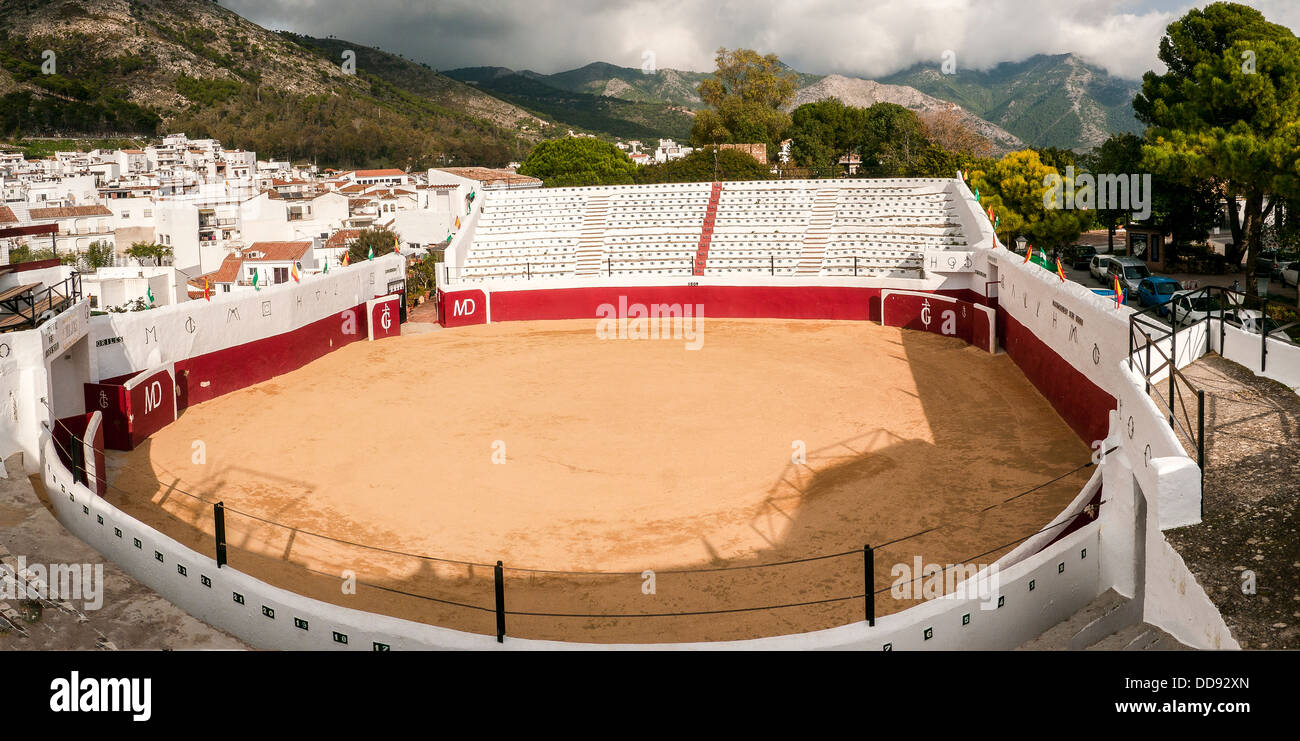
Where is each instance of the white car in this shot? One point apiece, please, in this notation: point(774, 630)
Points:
point(1291, 274)
point(1099, 267)
point(1186, 308)
point(1252, 320)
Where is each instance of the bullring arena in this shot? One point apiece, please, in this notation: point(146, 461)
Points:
point(560, 451)
point(872, 388)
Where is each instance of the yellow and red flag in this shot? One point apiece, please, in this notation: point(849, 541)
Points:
point(347, 258)
point(1119, 291)
point(1029, 255)
point(1060, 270)
point(207, 294)
point(293, 270)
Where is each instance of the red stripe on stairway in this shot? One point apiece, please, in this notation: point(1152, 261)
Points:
point(706, 232)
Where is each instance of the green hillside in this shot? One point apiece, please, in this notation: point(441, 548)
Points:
point(1048, 101)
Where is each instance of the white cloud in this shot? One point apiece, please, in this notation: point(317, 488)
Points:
point(868, 38)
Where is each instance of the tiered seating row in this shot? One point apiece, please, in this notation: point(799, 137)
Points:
point(880, 228)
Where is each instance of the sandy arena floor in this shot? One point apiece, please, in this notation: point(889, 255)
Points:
point(547, 448)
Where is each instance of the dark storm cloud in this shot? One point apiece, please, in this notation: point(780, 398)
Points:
point(857, 37)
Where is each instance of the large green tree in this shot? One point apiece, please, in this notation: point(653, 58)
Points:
point(1014, 187)
point(577, 161)
point(745, 96)
point(1186, 210)
point(821, 133)
point(1227, 110)
point(891, 140)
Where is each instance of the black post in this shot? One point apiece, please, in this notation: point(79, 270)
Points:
point(855, 266)
point(869, 578)
point(499, 577)
point(773, 264)
point(528, 270)
point(609, 267)
point(1263, 338)
point(1173, 371)
point(1200, 441)
point(1146, 372)
point(1222, 331)
point(219, 516)
point(1130, 337)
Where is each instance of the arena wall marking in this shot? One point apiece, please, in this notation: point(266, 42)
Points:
point(948, 316)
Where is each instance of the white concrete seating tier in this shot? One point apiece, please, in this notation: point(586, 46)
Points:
point(769, 227)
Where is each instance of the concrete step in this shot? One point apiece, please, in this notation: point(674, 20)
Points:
point(1108, 608)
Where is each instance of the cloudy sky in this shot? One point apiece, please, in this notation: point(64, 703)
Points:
point(868, 38)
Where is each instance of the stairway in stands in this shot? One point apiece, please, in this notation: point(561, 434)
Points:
point(1111, 622)
point(706, 233)
point(819, 232)
point(590, 257)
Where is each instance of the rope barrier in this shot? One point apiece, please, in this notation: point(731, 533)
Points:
point(613, 616)
point(559, 572)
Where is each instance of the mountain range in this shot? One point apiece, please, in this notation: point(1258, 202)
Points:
point(1044, 101)
point(140, 67)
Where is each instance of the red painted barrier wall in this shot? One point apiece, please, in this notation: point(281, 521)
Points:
point(385, 317)
point(937, 315)
point(208, 376)
point(111, 400)
point(1084, 405)
point(734, 302)
point(71, 431)
point(461, 308)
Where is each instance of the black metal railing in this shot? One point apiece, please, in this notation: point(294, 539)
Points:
point(1147, 330)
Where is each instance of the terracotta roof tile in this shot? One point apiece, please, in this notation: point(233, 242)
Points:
point(277, 250)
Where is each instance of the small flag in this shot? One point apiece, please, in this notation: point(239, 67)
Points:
point(327, 266)
point(149, 292)
point(1119, 291)
point(996, 219)
point(370, 254)
point(255, 271)
point(977, 195)
point(457, 222)
point(293, 271)
point(1060, 270)
point(207, 294)
point(1030, 254)
point(396, 248)
point(347, 258)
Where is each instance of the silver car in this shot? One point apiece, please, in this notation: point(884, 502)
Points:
point(1131, 271)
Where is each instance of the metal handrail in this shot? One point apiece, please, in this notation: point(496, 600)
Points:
point(1139, 323)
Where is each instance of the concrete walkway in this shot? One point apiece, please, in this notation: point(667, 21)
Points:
point(1246, 551)
point(132, 616)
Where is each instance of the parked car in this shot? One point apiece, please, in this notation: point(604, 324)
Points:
point(1156, 291)
point(1291, 275)
point(1189, 309)
point(1099, 267)
point(1131, 272)
point(1251, 320)
point(1081, 256)
point(1270, 260)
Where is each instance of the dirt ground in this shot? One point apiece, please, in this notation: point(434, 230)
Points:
point(1251, 521)
point(545, 447)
